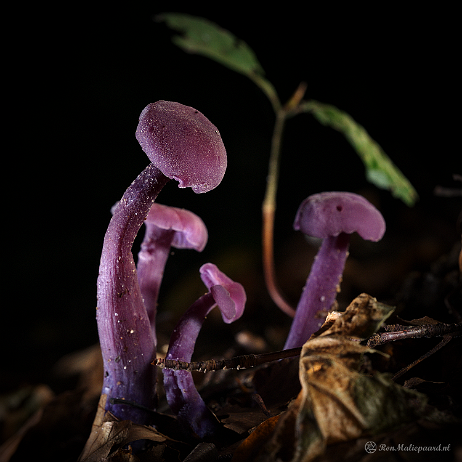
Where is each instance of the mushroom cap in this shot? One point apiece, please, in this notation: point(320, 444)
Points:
point(331, 213)
point(183, 144)
point(190, 230)
point(230, 296)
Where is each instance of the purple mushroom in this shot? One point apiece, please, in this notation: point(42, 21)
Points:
point(182, 396)
point(333, 217)
point(181, 144)
point(166, 227)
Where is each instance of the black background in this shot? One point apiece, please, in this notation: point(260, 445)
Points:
point(80, 74)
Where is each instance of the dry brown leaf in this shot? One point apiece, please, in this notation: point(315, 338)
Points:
point(250, 447)
point(109, 434)
point(361, 319)
point(337, 403)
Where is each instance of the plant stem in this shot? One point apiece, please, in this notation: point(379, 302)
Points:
point(267, 88)
point(269, 210)
point(269, 201)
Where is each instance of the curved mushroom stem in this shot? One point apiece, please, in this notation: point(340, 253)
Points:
point(152, 259)
point(181, 393)
point(320, 290)
point(126, 338)
point(166, 227)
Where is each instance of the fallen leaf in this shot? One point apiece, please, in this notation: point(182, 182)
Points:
point(361, 319)
point(109, 434)
point(338, 403)
point(250, 447)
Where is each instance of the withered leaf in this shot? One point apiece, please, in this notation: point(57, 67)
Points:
point(250, 447)
point(109, 434)
point(361, 319)
point(338, 403)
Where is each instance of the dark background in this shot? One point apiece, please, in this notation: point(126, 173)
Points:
point(79, 75)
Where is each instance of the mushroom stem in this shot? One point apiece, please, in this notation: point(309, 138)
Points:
point(320, 290)
point(126, 338)
point(166, 227)
point(181, 393)
point(152, 259)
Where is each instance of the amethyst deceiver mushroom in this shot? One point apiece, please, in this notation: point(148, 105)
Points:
point(182, 144)
point(182, 396)
point(166, 227)
point(332, 217)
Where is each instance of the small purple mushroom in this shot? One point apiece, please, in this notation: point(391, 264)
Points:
point(333, 217)
point(182, 396)
point(166, 227)
point(182, 144)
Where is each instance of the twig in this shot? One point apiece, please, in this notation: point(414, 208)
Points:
point(440, 345)
point(393, 333)
point(238, 362)
point(396, 332)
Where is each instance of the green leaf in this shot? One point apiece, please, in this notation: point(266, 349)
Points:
point(208, 39)
point(380, 170)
